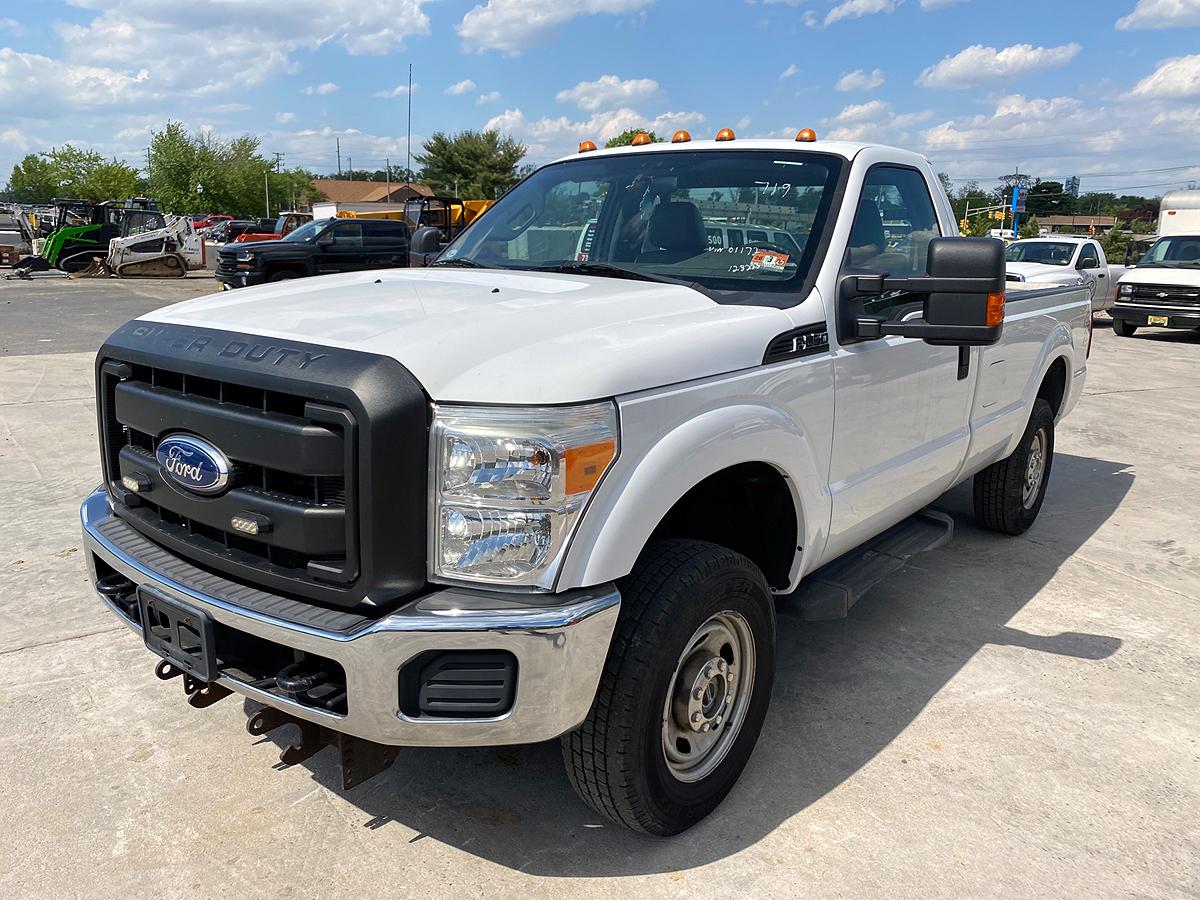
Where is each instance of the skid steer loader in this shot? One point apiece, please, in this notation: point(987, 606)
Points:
point(143, 251)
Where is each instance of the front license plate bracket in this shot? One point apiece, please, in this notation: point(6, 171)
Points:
point(1157, 320)
point(180, 634)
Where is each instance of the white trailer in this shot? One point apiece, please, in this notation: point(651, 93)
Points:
point(1179, 213)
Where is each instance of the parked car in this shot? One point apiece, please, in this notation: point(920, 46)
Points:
point(1163, 290)
point(276, 229)
point(321, 247)
point(1062, 259)
point(516, 496)
point(224, 232)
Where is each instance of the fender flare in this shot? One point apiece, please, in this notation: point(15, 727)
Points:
point(635, 495)
point(1058, 345)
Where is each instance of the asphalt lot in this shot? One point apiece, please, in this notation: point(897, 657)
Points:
point(1002, 717)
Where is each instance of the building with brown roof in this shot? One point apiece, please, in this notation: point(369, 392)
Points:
point(338, 190)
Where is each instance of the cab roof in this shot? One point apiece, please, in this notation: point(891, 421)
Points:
point(846, 149)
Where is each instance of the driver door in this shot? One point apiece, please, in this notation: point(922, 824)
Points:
point(346, 252)
point(902, 405)
point(1095, 276)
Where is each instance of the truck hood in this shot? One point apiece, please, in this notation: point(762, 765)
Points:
point(1161, 275)
point(1034, 270)
point(485, 336)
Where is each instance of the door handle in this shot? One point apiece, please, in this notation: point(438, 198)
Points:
point(1101, 275)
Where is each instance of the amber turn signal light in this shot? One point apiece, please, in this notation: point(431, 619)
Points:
point(806, 135)
point(680, 137)
point(586, 146)
point(725, 134)
point(995, 309)
point(641, 138)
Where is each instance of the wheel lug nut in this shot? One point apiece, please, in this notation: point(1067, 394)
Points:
point(696, 717)
point(698, 693)
point(705, 727)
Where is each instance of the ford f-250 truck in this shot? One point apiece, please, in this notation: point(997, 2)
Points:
point(516, 496)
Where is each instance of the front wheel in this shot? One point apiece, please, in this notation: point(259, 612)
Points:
point(1123, 328)
point(684, 690)
point(1009, 493)
point(283, 275)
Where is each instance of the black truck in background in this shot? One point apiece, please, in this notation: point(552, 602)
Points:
point(321, 247)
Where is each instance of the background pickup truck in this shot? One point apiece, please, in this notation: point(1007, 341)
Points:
point(322, 247)
point(1063, 260)
point(516, 496)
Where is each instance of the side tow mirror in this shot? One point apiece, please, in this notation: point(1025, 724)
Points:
point(963, 293)
point(426, 244)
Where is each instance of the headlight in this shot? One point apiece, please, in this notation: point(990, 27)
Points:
point(509, 486)
point(1126, 290)
point(245, 256)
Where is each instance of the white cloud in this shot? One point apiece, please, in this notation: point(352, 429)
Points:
point(788, 72)
point(1178, 77)
point(232, 51)
point(608, 91)
point(321, 90)
point(41, 83)
point(856, 9)
point(874, 120)
point(1161, 14)
point(513, 25)
point(859, 80)
point(978, 65)
point(284, 117)
point(489, 97)
point(460, 87)
point(12, 28)
point(400, 90)
point(743, 123)
point(549, 137)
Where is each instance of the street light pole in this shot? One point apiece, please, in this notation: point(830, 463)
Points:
point(267, 192)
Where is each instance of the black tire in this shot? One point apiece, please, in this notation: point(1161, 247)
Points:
point(1123, 328)
point(617, 760)
point(1001, 501)
point(283, 275)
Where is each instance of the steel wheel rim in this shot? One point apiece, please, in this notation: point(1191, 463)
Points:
point(708, 697)
point(1035, 469)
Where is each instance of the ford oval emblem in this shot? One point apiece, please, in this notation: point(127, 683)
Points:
point(193, 463)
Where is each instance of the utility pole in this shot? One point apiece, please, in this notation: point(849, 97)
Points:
point(267, 191)
point(408, 140)
point(278, 162)
point(339, 155)
point(350, 159)
point(387, 164)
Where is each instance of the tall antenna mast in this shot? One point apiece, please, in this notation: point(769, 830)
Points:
point(408, 141)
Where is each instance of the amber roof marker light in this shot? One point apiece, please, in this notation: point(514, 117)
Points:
point(680, 137)
point(641, 138)
point(586, 146)
point(726, 134)
point(806, 135)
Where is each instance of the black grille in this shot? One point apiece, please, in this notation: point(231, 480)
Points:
point(328, 445)
point(143, 403)
point(1165, 295)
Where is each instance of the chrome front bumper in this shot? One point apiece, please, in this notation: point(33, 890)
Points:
point(560, 642)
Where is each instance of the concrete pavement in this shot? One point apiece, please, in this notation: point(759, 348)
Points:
point(1002, 717)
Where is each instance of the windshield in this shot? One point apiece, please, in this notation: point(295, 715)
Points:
point(744, 225)
point(308, 231)
point(1181, 252)
point(1051, 253)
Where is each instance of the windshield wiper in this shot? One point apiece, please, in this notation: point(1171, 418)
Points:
point(462, 262)
point(606, 271)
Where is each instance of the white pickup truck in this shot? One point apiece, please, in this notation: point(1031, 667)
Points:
point(516, 496)
point(1062, 259)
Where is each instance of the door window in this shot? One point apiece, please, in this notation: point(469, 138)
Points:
point(1088, 258)
point(893, 225)
point(348, 234)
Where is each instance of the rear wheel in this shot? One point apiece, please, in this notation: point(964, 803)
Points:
point(1009, 493)
point(684, 691)
point(1123, 328)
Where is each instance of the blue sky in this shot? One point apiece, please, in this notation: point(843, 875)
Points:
point(1108, 89)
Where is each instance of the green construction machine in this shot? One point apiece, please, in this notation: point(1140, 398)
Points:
point(80, 232)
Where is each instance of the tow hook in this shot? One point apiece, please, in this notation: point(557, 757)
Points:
point(200, 694)
point(359, 759)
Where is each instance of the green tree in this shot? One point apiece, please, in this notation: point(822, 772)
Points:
point(625, 138)
point(1029, 228)
point(1114, 242)
point(33, 180)
point(1050, 198)
point(474, 164)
